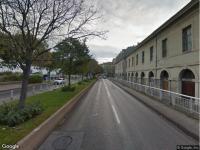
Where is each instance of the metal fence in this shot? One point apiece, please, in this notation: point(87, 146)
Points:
point(166, 84)
point(181, 102)
point(12, 94)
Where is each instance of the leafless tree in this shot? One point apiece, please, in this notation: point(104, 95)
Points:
point(27, 25)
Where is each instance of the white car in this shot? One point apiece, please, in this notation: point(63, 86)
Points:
point(59, 81)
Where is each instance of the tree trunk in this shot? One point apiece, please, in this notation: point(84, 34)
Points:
point(24, 86)
point(69, 79)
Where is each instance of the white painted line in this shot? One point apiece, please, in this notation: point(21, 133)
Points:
point(116, 115)
point(98, 92)
point(111, 102)
point(118, 88)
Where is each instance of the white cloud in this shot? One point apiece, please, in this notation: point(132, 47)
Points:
point(129, 22)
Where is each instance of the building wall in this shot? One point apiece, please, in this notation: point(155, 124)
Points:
point(176, 60)
point(108, 69)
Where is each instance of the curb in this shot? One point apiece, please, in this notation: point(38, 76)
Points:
point(33, 140)
point(177, 124)
point(10, 82)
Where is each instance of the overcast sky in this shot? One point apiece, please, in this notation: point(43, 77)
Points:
point(129, 22)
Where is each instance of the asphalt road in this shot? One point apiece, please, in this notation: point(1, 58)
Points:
point(110, 119)
point(5, 90)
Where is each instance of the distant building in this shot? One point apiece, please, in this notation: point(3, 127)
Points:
point(121, 62)
point(108, 69)
point(169, 57)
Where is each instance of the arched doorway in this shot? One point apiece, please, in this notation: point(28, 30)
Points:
point(187, 82)
point(128, 74)
point(164, 80)
point(142, 78)
point(132, 75)
point(151, 78)
point(136, 77)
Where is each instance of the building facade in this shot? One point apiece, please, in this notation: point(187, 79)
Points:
point(169, 57)
point(108, 69)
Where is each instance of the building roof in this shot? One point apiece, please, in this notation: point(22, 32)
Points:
point(124, 53)
point(189, 7)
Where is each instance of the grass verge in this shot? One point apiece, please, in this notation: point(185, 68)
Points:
point(51, 102)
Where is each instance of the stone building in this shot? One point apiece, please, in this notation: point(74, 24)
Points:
point(169, 57)
point(108, 69)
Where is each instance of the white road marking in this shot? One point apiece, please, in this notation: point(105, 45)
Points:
point(111, 102)
point(117, 87)
point(98, 92)
point(116, 115)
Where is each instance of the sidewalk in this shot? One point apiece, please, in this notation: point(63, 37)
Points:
point(188, 125)
point(9, 86)
point(14, 86)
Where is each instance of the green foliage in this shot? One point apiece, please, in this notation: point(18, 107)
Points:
point(35, 79)
point(94, 67)
point(86, 80)
point(9, 76)
point(68, 88)
point(12, 77)
point(73, 53)
point(10, 115)
point(5, 73)
point(80, 82)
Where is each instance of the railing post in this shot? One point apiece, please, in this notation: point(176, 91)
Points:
point(190, 105)
point(160, 95)
point(173, 98)
point(151, 90)
point(145, 89)
point(11, 94)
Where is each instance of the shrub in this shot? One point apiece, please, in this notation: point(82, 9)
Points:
point(35, 79)
point(12, 77)
point(80, 82)
point(6, 73)
point(68, 88)
point(10, 115)
point(86, 80)
point(9, 76)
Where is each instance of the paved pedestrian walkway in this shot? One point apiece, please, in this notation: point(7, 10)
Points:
point(9, 86)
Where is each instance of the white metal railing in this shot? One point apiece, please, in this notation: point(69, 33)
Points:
point(183, 102)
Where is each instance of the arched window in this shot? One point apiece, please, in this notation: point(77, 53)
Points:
point(136, 77)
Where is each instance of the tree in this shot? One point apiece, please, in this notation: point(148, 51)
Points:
point(84, 58)
point(94, 68)
point(72, 53)
point(48, 61)
point(28, 25)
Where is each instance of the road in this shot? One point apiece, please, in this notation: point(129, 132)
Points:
point(108, 118)
point(5, 90)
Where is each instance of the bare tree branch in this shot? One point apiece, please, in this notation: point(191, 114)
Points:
point(30, 24)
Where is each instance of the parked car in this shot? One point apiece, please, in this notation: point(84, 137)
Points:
point(59, 81)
